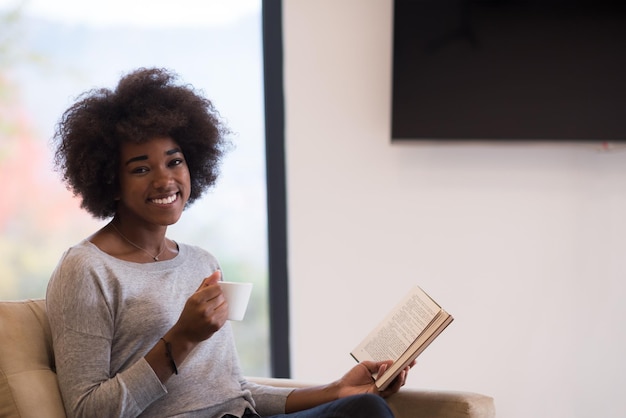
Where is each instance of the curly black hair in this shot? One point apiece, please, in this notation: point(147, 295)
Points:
point(145, 104)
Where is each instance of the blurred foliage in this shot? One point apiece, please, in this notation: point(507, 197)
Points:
point(9, 25)
point(35, 209)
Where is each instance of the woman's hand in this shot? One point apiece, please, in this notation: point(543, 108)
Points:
point(360, 379)
point(205, 312)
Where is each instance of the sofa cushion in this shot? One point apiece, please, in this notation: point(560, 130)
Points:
point(28, 385)
point(29, 389)
point(418, 402)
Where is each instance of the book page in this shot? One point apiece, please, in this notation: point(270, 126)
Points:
point(399, 329)
point(415, 349)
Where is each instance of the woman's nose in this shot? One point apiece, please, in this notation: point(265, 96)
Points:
point(162, 178)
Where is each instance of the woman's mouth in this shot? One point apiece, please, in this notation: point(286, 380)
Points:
point(165, 200)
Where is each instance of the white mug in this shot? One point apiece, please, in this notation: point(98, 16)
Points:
point(237, 295)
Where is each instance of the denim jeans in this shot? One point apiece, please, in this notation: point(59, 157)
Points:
point(357, 406)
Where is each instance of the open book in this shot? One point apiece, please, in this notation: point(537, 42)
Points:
point(404, 333)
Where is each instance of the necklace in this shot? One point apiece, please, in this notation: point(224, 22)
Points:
point(154, 257)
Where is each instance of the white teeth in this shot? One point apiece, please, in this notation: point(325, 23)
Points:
point(165, 201)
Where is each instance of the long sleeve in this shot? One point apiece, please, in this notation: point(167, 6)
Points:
point(83, 325)
point(106, 314)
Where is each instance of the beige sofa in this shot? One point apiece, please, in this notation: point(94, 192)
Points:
point(28, 385)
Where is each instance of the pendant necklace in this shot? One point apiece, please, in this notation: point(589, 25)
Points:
point(154, 257)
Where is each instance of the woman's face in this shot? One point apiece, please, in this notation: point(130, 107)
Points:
point(154, 182)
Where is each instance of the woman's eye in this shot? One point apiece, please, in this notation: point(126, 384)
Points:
point(140, 170)
point(177, 161)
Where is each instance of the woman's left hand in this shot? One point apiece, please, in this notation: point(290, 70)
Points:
point(360, 380)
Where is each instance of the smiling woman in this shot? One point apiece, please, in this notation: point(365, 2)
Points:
point(55, 51)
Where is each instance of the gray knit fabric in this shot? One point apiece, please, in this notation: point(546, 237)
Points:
point(106, 314)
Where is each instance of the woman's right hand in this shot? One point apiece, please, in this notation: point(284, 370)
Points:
point(205, 311)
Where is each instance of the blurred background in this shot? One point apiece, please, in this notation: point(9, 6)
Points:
point(51, 52)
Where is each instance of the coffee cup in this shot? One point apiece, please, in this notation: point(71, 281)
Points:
point(237, 295)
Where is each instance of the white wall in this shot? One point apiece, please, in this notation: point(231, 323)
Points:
point(523, 244)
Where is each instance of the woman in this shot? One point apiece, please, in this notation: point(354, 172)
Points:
point(138, 320)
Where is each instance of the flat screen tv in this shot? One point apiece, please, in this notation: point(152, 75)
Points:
point(528, 70)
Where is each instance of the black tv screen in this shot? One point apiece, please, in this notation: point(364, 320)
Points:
point(509, 70)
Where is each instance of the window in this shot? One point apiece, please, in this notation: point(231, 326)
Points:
point(50, 52)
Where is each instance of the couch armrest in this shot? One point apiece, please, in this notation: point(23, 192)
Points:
point(414, 403)
point(409, 403)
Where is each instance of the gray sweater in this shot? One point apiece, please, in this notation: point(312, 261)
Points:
point(106, 314)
